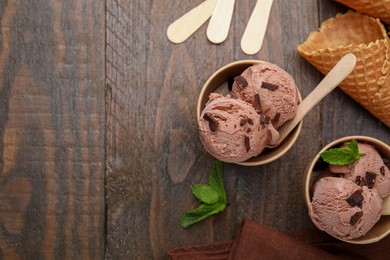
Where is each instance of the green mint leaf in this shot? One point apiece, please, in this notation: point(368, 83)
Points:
point(211, 196)
point(216, 181)
point(342, 156)
point(353, 146)
point(205, 193)
point(200, 213)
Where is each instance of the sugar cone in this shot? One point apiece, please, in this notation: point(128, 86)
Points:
point(366, 38)
point(375, 8)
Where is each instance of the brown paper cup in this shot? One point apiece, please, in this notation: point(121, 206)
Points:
point(216, 83)
point(382, 227)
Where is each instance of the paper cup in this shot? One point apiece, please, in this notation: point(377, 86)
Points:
point(215, 84)
point(382, 227)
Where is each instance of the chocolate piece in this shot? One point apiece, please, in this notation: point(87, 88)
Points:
point(266, 119)
point(213, 124)
point(269, 86)
point(359, 180)
point(243, 121)
point(241, 81)
point(250, 121)
point(382, 170)
point(370, 179)
point(257, 103)
point(354, 219)
point(355, 199)
point(247, 144)
point(275, 119)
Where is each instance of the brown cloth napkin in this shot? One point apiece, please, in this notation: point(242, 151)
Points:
point(257, 241)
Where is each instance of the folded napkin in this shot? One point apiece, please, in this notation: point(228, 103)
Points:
point(257, 241)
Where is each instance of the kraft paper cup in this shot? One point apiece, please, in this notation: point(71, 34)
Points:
point(382, 227)
point(215, 84)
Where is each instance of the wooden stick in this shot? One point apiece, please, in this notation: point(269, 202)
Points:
point(185, 26)
point(339, 72)
point(218, 28)
point(253, 36)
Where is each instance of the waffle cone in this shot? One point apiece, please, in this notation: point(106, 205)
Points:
point(366, 38)
point(375, 8)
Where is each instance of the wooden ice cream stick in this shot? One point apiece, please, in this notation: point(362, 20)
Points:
point(218, 28)
point(185, 26)
point(253, 36)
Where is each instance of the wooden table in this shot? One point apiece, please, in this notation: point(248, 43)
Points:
point(98, 132)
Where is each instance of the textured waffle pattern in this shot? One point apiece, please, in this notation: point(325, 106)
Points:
point(366, 38)
point(375, 8)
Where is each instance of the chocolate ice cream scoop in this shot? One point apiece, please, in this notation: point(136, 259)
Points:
point(232, 131)
point(270, 89)
point(369, 170)
point(343, 209)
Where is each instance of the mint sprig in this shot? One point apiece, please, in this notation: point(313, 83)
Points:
point(343, 156)
point(212, 197)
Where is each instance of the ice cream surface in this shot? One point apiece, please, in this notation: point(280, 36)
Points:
point(343, 209)
point(232, 131)
point(270, 89)
point(369, 170)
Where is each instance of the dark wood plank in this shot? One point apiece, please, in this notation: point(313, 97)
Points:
point(153, 149)
point(52, 129)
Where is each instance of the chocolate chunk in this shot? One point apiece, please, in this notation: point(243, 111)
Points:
point(250, 121)
point(266, 119)
point(243, 121)
point(370, 179)
point(355, 199)
point(241, 81)
point(213, 124)
point(247, 144)
point(382, 170)
point(257, 103)
point(269, 86)
point(275, 119)
point(354, 219)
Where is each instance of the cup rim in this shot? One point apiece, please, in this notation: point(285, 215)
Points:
point(308, 181)
point(224, 74)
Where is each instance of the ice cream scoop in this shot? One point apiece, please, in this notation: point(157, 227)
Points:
point(343, 209)
point(232, 131)
point(270, 89)
point(369, 170)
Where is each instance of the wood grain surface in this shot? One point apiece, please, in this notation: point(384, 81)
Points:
point(98, 131)
point(52, 129)
point(153, 149)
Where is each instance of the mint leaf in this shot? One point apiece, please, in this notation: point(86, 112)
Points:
point(202, 212)
point(342, 156)
point(205, 193)
point(216, 181)
point(211, 196)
